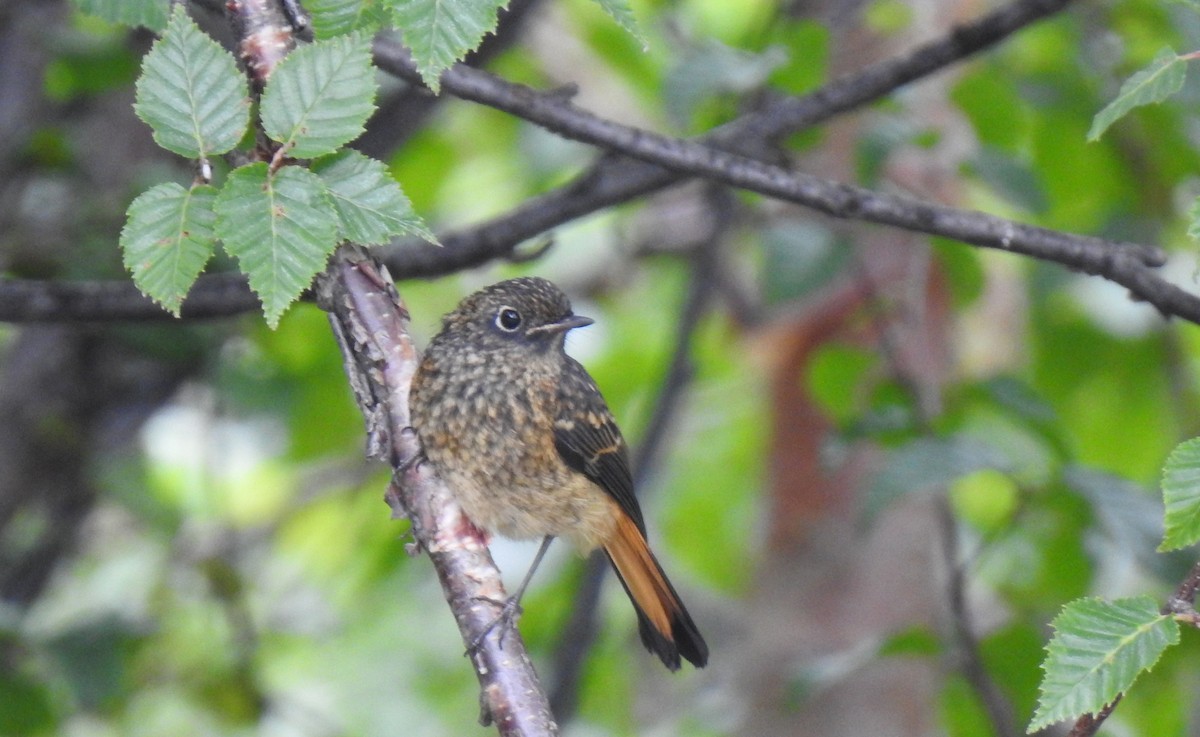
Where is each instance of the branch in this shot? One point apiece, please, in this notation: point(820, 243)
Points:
point(611, 181)
point(882, 78)
point(371, 324)
point(1089, 724)
point(997, 705)
point(1121, 262)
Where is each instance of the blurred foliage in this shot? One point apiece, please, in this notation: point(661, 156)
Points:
point(239, 575)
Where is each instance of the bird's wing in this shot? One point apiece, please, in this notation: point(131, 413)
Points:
point(587, 438)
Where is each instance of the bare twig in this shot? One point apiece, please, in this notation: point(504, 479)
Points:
point(372, 328)
point(999, 708)
point(997, 705)
point(1183, 601)
point(1088, 724)
point(1118, 261)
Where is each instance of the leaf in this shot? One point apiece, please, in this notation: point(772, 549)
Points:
point(281, 228)
point(930, 463)
point(167, 239)
point(1125, 514)
point(1181, 495)
point(150, 14)
point(440, 32)
point(1099, 648)
point(1163, 78)
point(338, 17)
point(320, 95)
point(191, 93)
point(370, 205)
point(623, 15)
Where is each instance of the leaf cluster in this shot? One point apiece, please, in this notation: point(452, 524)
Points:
point(280, 220)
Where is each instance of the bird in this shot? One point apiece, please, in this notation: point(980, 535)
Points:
point(521, 433)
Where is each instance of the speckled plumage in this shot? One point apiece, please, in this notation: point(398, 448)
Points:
point(522, 434)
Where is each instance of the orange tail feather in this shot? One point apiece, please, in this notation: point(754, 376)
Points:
point(664, 624)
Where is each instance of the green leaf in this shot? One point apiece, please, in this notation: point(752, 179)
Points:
point(1099, 648)
point(1163, 78)
point(150, 14)
point(1126, 516)
point(281, 228)
point(320, 96)
point(1181, 495)
point(338, 17)
point(623, 15)
point(370, 204)
point(440, 32)
point(167, 239)
point(930, 463)
point(191, 93)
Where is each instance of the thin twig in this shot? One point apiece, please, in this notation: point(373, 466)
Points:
point(1183, 601)
point(998, 707)
point(1088, 724)
point(1114, 260)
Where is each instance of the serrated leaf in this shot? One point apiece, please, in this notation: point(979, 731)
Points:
point(281, 228)
point(191, 93)
point(167, 239)
point(1099, 648)
point(338, 17)
point(623, 15)
point(150, 14)
point(370, 204)
point(1161, 79)
point(320, 96)
point(441, 32)
point(1181, 496)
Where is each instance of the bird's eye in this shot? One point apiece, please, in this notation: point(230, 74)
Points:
point(508, 319)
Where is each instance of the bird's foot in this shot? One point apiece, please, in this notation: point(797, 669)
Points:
point(510, 610)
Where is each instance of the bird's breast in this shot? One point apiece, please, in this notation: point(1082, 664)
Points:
point(490, 433)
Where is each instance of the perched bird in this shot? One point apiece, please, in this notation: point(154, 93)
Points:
point(520, 432)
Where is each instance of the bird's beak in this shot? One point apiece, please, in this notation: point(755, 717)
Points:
point(567, 323)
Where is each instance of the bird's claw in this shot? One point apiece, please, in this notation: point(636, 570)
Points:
point(510, 610)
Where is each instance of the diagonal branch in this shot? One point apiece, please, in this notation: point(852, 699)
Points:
point(371, 325)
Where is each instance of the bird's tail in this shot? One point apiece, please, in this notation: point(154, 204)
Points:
point(663, 622)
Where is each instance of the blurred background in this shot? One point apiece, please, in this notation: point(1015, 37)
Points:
point(875, 464)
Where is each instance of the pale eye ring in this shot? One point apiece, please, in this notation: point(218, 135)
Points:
point(508, 319)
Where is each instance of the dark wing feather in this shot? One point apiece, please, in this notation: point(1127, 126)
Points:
point(587, 438)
